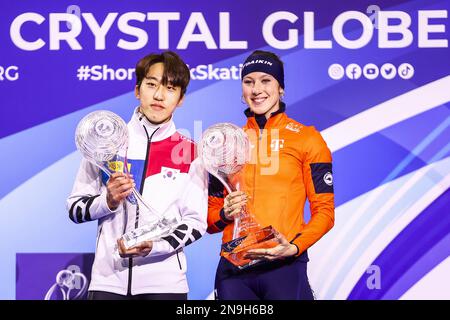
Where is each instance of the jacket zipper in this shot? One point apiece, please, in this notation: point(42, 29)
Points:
point(257, 161)
point(141, 188)
point(258, 142)
point(179, 263)
point(98, 239)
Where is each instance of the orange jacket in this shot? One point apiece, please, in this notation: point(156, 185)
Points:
point(290, 163)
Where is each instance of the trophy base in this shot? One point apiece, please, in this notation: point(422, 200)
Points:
point(235, 250)
point(149, 232)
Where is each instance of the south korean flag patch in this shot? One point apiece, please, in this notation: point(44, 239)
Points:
point(322, 177)
point(169, 173)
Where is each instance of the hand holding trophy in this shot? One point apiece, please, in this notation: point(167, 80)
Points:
point(102, 139)
point(225, 150)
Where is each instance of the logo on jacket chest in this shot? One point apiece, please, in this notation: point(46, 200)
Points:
point(277, 144)
point(293, 127)
point(169, 173)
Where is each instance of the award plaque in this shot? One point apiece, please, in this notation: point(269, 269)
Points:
point(225, 150)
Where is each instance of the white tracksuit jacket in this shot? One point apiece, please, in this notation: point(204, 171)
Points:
point(161, 161)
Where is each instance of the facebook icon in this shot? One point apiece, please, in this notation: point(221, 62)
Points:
point(353, 71)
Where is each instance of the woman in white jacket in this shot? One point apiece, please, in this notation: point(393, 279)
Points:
point(164, 170)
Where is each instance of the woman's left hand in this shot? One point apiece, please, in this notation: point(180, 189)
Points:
point(283, 250)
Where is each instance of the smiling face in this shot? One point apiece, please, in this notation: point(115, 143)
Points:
point(261, 92)
point(157, 101)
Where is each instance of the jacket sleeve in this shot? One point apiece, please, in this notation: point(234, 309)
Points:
point(87, 200)
point(318, 180)
point(216, 216)
point(193, 208)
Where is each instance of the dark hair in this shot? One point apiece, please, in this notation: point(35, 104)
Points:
point(176, 71)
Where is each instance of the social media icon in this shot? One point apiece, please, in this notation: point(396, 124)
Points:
point(371, 71)
point(405, 71)
point(388, 71)
point(336, 71)
point(353, 71)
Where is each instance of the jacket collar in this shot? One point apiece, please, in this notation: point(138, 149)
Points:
point(142, 127)
point(276, 119)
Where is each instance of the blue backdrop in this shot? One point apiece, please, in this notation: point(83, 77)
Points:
point(374, 78)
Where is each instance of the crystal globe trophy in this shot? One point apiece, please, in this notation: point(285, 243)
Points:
point(102, 138)
point(225, 150)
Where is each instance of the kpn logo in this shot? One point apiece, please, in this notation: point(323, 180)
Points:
point(370, 71)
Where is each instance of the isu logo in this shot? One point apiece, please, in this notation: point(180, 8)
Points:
point(328, 178)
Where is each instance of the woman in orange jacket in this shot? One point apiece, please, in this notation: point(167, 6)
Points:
point(291, 163)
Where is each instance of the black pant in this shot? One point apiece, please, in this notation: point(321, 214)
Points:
point(278, 280)
point(102, 295)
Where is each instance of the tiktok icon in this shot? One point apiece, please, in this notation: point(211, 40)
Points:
point(405, 71)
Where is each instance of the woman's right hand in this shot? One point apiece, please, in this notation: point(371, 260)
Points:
point(233, 204)
point(118, 187)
